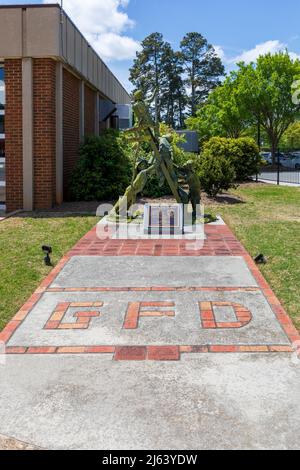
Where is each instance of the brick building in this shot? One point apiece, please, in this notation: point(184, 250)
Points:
point(54, 90)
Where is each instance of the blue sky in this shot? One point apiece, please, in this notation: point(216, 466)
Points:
point(236, 25)
point(239, 29)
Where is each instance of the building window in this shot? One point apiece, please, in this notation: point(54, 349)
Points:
point(2, 124)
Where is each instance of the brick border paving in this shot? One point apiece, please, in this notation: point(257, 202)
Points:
point(220, 242)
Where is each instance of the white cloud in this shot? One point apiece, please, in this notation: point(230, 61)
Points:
point(294, 56)
point(261, 49)
point(252, 55)
point(220, 52)
point(103, 23)
point(115, 46)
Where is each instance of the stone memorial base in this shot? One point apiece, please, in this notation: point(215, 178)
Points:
point(164, 219)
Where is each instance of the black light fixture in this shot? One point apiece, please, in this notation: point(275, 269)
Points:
point(260, 259)
point(47, 252)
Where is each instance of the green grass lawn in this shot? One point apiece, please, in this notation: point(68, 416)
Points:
point(21, 258)
point(268, 222)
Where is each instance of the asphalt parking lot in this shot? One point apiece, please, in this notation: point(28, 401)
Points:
point(285, 176)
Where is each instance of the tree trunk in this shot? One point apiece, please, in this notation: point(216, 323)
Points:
point(180, 114)
point(157, 110)
point(193, 90)
point(172, 113)
point(259, 134)
point(193, 107)
point(274, 150)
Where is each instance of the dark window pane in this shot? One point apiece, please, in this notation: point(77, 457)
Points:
point(2, 148)
point(2, 131)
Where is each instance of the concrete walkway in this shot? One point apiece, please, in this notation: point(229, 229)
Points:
point(147, 344)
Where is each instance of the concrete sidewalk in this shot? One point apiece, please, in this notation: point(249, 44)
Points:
point(146, 344)
point(208, 401)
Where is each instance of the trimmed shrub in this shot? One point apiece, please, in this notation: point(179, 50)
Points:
point(216, 173)
point(103, 170)
point(242, 152)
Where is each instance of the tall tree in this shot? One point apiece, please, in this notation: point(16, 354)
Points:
point(202, 66)
point(266, 90)
point(147, 72)
point(222, 114)
point(173, 100)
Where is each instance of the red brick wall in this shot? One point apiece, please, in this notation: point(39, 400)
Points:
point(44, 133)
point(44, 130)
point(89, 111)
point(70, 126)
point(13, 135)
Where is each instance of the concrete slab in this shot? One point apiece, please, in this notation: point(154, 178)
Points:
point(143, 271)
point(224, 314)
point(222, 401)
point(182, 329)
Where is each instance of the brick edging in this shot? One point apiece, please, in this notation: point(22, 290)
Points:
point(150, 353)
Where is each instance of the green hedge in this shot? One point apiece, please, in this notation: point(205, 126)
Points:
point(103, 170)
point(243, 153)
point(216, 174)
point(223, 162)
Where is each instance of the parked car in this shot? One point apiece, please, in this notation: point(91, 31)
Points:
point(287, 162)
point(292, 161)
point(295, 162)
point(282, 157)
point(267, 157)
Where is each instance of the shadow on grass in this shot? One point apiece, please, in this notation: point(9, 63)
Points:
point(65, 210)
point(209, 218)
point(89, 208)
point(228, 199)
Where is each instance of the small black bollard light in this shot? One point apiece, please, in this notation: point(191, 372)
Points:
point(47, 252)
point(260, 259)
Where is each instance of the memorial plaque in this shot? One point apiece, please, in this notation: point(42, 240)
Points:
point(163, 219)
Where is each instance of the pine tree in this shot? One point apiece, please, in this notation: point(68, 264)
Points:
point(165, 75)
point(173, 99)
point(202, 66)
point(147, 72)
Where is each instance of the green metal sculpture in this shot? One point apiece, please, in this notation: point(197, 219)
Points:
point(193, 182)
point(161, 163)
